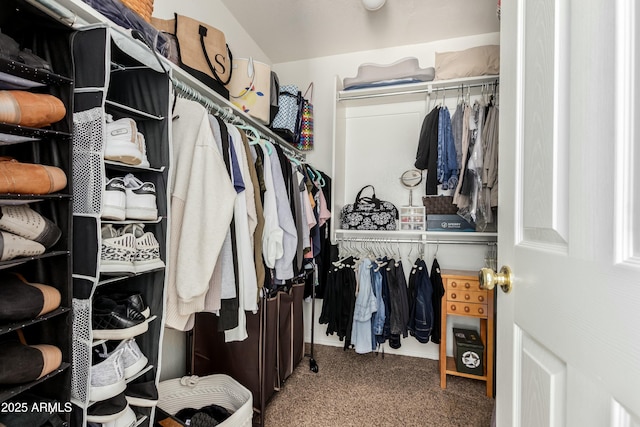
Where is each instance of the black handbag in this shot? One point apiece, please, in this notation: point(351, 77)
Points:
point(369, 213)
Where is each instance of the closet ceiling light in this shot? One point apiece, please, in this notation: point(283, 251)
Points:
point(373, 4)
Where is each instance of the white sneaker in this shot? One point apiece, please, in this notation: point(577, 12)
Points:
point(141, 199)
point(142, 146)
point(114, 200)
point(12, 246)
point(107, 377)
point(121, 144)
point(117, 251)
point(23, 221)
point(147, 256)
point(132, 358)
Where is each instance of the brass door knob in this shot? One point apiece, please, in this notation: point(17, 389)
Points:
point(489, 278)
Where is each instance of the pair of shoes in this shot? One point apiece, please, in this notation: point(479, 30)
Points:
point(133, 360)
point(23, 221)
point(20, 363)
point(22, 300)
point(35, 110)
point(30, 178)
point(24, 232)
point(117, 320)
point(113, 364)
point(129, 250)
point(129, 198)
point(132, 300)
point(124, 143)
point(142, 394)
point(10, 49)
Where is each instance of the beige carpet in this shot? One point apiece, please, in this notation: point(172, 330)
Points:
point(367, 390)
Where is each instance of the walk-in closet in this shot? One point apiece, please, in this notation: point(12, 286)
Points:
point(347, 212)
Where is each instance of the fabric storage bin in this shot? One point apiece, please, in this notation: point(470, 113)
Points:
point(196, 392)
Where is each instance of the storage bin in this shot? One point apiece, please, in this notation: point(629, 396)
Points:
point(468, 351)
point(196, 392)
point(448, 223)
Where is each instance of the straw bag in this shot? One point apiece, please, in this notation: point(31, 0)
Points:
point(144, 8)
point(250, 88)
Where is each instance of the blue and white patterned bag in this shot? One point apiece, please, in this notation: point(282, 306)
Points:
point(287, 122)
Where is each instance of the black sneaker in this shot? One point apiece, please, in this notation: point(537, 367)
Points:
point(107, 410)
point(132, 300)
point(142, 394)
point(113, 321)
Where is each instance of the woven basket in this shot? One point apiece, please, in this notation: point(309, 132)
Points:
point(196, 392)
point(439, 205)
point(144, 8)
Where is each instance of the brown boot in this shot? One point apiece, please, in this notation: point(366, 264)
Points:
point(30, 109)
point(30, 178)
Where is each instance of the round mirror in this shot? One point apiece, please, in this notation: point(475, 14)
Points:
point(410, 179)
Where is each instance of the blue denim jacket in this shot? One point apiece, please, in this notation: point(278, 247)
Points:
point(377, 321)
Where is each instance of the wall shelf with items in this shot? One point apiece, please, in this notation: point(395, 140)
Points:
point(376, 134)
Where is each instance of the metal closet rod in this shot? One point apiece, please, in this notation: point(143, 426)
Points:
point(427, 241)
point(428, 90)
point(227, 114)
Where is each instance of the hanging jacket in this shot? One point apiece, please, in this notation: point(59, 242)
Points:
point(422, 321)
point(436, 301)
point(427, 154)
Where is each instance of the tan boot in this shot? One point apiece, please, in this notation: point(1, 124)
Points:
point(30, 178)
point(30, 109)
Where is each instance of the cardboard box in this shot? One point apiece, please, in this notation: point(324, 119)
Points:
point(468, 351)
point(448, 223)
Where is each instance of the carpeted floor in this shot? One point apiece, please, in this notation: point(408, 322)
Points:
point(367, 390)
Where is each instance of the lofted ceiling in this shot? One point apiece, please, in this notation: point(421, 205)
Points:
point(291, 30)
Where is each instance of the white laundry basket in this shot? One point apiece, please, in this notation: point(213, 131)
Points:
point(196, 392)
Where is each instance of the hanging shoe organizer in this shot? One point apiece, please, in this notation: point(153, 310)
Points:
point(36, 78)
point(122, 139)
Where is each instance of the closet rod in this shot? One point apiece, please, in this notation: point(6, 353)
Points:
point(428, 90)
point(427, 241)
point(227, 114)
point(56, 11)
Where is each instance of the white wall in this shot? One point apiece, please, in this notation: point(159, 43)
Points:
point(322, 72)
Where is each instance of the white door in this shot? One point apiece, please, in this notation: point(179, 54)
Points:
point(568, 334)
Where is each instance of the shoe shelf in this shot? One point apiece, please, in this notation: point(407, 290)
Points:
point(130, 111)
point(11, 327)
point(9, 393)
point(23, 260)
point(134, 221)
point(15, 75)
point(14, 134)
point(116, 166)
point(120, 277)
point(33, 144)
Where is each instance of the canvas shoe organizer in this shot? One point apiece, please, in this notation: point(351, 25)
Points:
point(30, 142)
point(121, 165)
